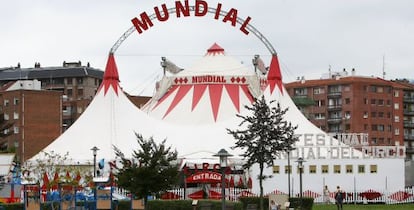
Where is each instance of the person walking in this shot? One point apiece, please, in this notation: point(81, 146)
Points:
point(326, 193)
point(339, 198)
point(273, 205)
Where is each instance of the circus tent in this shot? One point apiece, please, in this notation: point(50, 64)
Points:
point(191, 109)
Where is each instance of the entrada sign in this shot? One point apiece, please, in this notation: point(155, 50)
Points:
point(182, 9)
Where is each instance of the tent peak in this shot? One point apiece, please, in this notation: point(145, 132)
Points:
point(215, 49)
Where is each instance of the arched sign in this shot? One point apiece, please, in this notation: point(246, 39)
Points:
point(145, 21)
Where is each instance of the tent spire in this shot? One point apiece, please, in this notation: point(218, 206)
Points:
point(111, 77)
point(274, 77)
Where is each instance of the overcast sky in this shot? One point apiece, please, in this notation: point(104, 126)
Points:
point(309, 36)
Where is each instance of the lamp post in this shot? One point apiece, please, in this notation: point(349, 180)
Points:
point(223, 154)
point(300, 162)
point(94, 152)
point(288, 159)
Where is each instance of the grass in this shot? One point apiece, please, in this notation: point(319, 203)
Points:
point(365, 207)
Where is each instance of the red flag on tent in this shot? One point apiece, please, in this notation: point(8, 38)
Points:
point(231, 184)
point(250, 183)
point(55, 181)
point(45, 182)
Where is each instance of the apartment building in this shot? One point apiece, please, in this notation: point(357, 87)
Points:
point(340, 103)
point(35, 116)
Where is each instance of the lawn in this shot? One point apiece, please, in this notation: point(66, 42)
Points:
point(365, 207)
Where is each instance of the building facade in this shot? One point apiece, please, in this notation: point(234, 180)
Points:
point(34, 123)
point(51, 104)
point(354, 104)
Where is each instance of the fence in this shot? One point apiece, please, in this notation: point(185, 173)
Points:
point(366, 196)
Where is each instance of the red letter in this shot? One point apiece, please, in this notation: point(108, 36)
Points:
point(142, 24)
point(218, 10)
point(205, 166)
point(185, 10)
point(243, 27)
point(165, 10)
point(231, 16)
point(216, 167)
point(199, 3)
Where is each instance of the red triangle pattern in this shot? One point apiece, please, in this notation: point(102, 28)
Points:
point(247, 93)
point(182, 91)
point(111, 77)
point(233, 91)
point(197, 94)
point(170, 91)
point(274, 76)
point(215, 91)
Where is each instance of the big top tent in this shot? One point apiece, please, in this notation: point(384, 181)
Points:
point(191, 109)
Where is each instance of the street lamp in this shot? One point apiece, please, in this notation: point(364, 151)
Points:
point(288, 160)
point(94, 152)
point(223, 154)
point(300, 162)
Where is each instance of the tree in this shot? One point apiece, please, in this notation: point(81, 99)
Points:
point(153, 168)
point(266, 135)
point(4, 127)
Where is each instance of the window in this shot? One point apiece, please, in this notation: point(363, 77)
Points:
point(325, 169)
point(373, 169)
point(276, 169)
point(381, 114)
point(380, 127)
point(16, 115)
point(312, 169)
point(365, 115)
point(320, 103)
point(6, 116)
point(301, 92)
point(288, 169)
point(373, 101)
point(373, 114)
point(380, 89)
point(347, 88)
point(373, 89)
point(318, 90)
point(69, 92)
point(319, 116)
point(6, 102)
point(347, 100)
point(365, 126)
point(396, 106)
point(380, 102)
point(396, 93)
point(388, 102)
point(374, 127)
point(349, 169)
point(69, 81)
point(16, 129)
point(80, 93)
point(16, 101)
point(361, 169)
point(79, 81)
point(347, 127)
point(374, 140)
point(397, 131)
point(365, 101)
point(337, 169)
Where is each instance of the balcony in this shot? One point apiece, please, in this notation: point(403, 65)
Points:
point(334, 107)
point(408, 99)
point(334, 94)
point(409, 137)
point(408, 112)
point(409, 150)
point(334, 120)
point(408, 124)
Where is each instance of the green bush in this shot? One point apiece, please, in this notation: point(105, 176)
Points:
point(307, 203)
point(254, 200)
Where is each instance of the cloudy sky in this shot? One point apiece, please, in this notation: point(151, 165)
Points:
point(310, 36)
